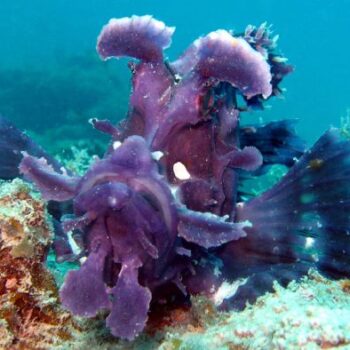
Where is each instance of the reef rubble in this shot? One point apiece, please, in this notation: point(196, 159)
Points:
point(309, 315)
point(30, 315)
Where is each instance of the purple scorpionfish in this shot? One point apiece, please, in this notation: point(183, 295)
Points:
point(161, 216)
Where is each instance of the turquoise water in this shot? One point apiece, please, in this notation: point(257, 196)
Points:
point(314, 36)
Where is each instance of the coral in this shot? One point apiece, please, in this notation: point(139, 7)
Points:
point(69, 141)
point(25, 229)
point(30, 315)
point(78, 159)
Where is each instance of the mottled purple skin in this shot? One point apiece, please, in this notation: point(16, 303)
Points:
point(226, 58)
point(143, 226)
point(132, 226)
point(142, 37)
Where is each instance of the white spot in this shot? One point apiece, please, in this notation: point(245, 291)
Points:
point(112, 201)
point(240, 205)
point(227, 290)
point(246, 223)
point(309, 242)
point(173, 190)
point(159, 25)
point(157, 155)
point(275, 39)
point(180, 171)
point(279, 59)
point(183, 251)
point(75, 248)
point(315, 257)
point(64, 171)
point(116, 144)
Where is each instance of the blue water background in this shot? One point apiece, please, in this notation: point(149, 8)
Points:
point(314, 35)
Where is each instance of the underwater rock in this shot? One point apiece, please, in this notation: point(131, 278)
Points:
point(30, 315)
point(311, 314)
point(25, 229)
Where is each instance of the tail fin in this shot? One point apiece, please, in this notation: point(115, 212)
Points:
point(301, 222)
point(306, 216)
point(12, 143)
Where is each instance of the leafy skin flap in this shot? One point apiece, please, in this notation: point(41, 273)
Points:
point(141, 37)
point(231, 59)
point(208, 230)
point(53, 185)
point(130, 304)
point(219, 55)
point(84, 291)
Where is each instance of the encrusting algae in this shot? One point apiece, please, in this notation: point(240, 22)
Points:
point(30, 315)
point(23, 220)
point(309, 315)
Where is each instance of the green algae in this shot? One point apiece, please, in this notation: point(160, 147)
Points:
point(59, 270)
point(256, 185)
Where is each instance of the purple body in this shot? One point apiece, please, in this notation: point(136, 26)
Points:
point(160, 208)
